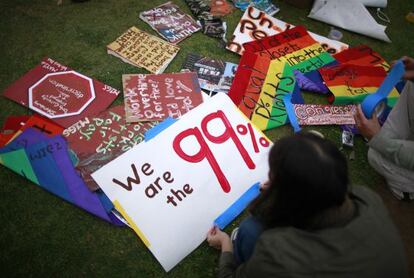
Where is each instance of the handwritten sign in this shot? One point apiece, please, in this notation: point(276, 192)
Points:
point(170, 22)
point(258, 91)
point(141, 49)
point(173, 187)
point(98, 139)
point(361, 55)
point(320, 114)
point(350, 83)
point(256, 25)
point(154, 97)
point(60, 94)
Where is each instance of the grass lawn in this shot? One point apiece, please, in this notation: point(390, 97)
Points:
point(41, 234)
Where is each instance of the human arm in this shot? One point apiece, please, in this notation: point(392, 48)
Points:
point(409, 67)
point(396, 150)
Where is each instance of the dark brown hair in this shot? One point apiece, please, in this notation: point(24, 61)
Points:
point(307, 175)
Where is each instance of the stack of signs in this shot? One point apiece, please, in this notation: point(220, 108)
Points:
point(46, 162)
point(155, 97)
point(264, 5)
point(266, 73)
point(59, 93)
point(214, 75)
point(98, 139)
point(143, 50)
point(211, 25)
point(256, 25)
point(202, 169)
point(170, 22)
point(361, 72)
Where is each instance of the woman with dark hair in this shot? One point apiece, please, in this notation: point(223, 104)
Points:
point(307, 223)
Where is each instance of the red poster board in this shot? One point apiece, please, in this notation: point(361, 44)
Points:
point(155, 97)
point(98, 139)
point(59, 93)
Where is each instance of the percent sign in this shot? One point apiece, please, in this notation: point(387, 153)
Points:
point(205, 152)
point(243, 130)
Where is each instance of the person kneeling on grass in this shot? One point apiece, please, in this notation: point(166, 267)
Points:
point(391, 148)
point(306, 223)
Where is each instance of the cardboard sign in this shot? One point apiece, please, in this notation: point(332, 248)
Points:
point(143, 50)
point(98, 139)
point(214, 75)
point(59, 93)
point(170, 22)
point(154, 97)
point(319, 114)
point(173, 187)
point(256, 25)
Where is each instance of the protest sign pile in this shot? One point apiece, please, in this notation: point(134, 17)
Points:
point(183, 144)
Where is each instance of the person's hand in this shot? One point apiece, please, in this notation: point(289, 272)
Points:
point(367, 127)
point(264, 186)
point(409, 67)
point(219, 240)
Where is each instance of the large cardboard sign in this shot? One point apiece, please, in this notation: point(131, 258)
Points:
point(173, 187)
point(59, 93)
point(256, 25)
point(143, 50)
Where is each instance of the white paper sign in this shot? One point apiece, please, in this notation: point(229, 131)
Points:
point(173, 187)
point(350, 15)
point(256, 25)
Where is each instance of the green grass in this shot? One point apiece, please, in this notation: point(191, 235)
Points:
point(41, 234)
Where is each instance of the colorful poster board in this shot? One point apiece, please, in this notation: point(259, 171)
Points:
point(214, 75)
point(59, 93)
point(170, 22)
point(266, 73)
point(256, 25)
point(155, 97)
point(45, 161)
point(98, 139)
point(173, 187)
point(143, 50)
point(361, 55)
point(351, 83)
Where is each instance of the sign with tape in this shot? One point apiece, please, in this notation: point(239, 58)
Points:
point(173, 187)
point(372, 101)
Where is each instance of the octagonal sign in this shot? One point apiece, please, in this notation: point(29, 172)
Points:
point(61, 94)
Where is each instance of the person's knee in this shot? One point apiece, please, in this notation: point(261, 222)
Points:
point(374, 159)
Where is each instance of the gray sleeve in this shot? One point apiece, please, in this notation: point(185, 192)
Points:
point(401, 152)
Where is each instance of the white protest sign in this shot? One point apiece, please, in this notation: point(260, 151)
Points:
point(172, 187)
point(256, 24)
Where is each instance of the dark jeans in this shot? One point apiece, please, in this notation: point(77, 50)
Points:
point(243, 245)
